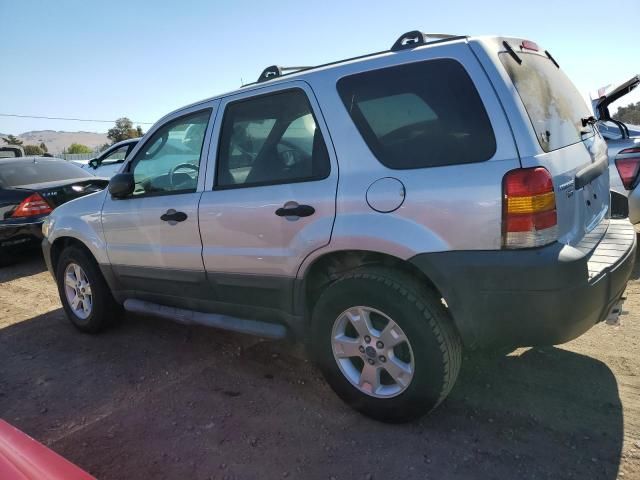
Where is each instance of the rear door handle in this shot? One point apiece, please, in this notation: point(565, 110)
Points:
point(172, 216)
point(297, 211)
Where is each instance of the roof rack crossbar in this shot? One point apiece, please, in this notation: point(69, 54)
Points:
point(276, 71)
point(416, 38)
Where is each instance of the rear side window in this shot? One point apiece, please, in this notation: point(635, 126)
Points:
point(418, 115)
point(554, 105)
point(271, 139)
point(27, 172)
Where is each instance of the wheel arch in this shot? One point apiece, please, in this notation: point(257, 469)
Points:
point(327, 268)
point(64, 242)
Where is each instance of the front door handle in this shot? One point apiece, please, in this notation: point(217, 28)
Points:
point(297, 211)
point(172, 216)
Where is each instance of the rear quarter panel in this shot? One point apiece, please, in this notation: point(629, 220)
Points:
point(454, 207)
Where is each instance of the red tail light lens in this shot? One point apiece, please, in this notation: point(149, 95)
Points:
point(529, 209)
point(31, 206)
point(628, 170)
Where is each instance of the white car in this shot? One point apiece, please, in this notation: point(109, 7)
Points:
point(109, 162)
point(623, 144)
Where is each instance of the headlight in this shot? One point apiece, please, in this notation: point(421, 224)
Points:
point(46, 227)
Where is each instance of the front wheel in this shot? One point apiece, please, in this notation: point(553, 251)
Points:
point(385, 344)
point(85, 296)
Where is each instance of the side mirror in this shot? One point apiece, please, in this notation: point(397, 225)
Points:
point(121, 185)
point(93, 163)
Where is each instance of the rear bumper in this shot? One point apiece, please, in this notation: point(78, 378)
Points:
point(20, 235)
point(541, 296)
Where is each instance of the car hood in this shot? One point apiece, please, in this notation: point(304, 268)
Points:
point(608, 95)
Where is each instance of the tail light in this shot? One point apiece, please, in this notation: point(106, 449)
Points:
point(628, 167)
point(529, 45)
point(31, 206)
point(529, 209)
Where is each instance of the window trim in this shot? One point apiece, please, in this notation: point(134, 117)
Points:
point(217, 187)
point(367, 133)
point(135, 160)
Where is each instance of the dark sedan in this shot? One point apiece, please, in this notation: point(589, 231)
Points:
point(30, 188)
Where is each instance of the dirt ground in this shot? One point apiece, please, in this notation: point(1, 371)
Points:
point(155, 400)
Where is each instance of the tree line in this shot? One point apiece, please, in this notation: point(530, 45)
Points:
point(629, 114)
point(123, 130)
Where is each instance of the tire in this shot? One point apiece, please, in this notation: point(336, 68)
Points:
point(432, 341)
point(104, 310)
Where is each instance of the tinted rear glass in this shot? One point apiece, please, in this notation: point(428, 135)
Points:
point(554, 105)
point(417, 115)
point(26, 172)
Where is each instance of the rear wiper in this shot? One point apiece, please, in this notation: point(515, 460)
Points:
point(512, 52)
point(551, 58)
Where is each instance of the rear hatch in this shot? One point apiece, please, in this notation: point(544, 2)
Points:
point(574, 152)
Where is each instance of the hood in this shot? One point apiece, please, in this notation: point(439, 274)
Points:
point(606, 96)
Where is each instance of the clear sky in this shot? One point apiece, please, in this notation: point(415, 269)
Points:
point(142, 59)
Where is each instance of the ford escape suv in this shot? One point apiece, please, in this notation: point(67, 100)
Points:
point(387, 209)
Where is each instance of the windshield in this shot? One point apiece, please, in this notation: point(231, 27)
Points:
point(554, 105)
point(25, 172)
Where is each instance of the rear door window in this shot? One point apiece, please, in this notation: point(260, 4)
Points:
point(554, 105)
point(271, 139)
point(417, 115)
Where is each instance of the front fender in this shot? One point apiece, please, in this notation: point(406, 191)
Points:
point(81, 219)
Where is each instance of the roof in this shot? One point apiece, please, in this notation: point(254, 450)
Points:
point(126, 142)
point(406, 41)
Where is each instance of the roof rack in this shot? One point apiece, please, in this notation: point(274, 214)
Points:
point(275, 71)
point(408, 40)
point(415, 38)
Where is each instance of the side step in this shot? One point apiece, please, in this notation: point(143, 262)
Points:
point(215, 320)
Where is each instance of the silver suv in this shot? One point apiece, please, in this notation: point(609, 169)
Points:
point(387, 209)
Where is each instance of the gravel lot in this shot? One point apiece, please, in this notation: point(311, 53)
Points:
point(153, 399)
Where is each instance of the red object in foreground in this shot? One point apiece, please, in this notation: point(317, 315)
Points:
point(22, 458)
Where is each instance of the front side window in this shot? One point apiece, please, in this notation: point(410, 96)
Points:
point(118, 155)
point(417, 115)
point(270, 139)
point(170, 160)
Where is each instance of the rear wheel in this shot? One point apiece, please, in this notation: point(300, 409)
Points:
point(85, 296)
point(385, 344)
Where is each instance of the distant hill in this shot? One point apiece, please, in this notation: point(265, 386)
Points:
point(56, 142)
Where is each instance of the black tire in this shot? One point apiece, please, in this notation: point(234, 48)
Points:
point(105, 310)
point(419, 312)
